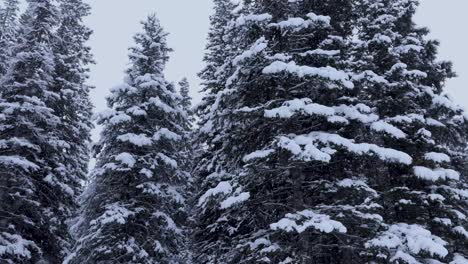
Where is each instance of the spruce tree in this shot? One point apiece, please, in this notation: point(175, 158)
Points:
point(8, 31)
point(71, 73)
point(135, 209)
point(424, 205)
point(219, 52)
point(327, 146)
point(278, 133)
point(217, 48)
point(184, 90)
point(35, 192)
point(8, 15)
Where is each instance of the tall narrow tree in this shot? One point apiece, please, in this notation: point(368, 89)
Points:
point(8, 31)
point(218, 45)
point(219, 52)
point(135, 210)
point(8, 15)
point(36, 195)
point(184, 91)
point(72, 59)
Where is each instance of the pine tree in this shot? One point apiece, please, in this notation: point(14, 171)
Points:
point(218, 47)
point(424, 205)
point(8, 15)
point(35, 193)
point(184, 90)
point(359, 154)
point(8, 28)
point(278, 136)
point(71, 73)
point(219, 52)
point(135, 209)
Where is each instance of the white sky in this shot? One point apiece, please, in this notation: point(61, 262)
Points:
point(115, 21)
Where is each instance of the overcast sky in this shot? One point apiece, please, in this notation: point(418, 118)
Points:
point(115, 21)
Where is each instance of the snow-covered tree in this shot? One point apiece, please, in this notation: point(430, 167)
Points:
point(189, 141)
point(186, 101)
point(8, 30)
point(135, 209)
point(71, 73)
point(424, 205)
point(279, 188)
point(36, 194)
point(219, 51)
point(218, 47)
point(8, 15)
point(330, 147)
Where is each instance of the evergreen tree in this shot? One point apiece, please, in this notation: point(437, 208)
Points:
point(278, 133)
point(218, 47)
point(135, 209)
point(8, 15)
point(8, 30)
point(423, 205)
point(219, 52)
point(184, 90)
point(311, 163)
point(35, 192)
point(71, 73)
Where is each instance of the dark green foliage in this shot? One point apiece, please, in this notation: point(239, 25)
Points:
point(135, 208)
point(317, 135)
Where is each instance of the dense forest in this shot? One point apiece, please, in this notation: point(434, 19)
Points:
point(325, 136)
